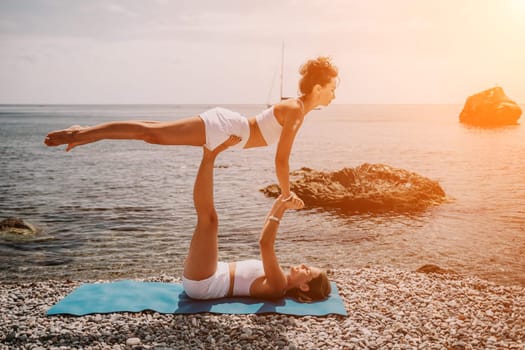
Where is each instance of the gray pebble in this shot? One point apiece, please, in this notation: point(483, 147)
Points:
point(133, 341)
point(387, 309)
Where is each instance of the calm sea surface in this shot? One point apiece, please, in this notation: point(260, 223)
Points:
point(117, 209)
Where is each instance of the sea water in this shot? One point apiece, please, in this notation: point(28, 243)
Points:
point(116, 209)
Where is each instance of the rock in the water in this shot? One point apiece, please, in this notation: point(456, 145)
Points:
point(490, 108)
point(17, 226)
point(366, 188)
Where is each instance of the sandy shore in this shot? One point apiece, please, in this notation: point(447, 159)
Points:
point(388, 309)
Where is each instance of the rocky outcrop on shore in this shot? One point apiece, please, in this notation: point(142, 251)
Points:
point(387, 309)
point(366, 188)
point(490, 108)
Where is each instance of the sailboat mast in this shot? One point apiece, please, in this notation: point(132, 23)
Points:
point(282, 69)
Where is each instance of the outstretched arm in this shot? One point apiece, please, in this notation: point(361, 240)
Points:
point(275, 282)
point(292, 123)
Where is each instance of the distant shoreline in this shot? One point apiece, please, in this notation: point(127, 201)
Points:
point(213, 104)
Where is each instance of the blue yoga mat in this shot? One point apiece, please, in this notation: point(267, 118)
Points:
point(170, 298)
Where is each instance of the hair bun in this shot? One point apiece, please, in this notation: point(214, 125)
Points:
point(318, 64)
point(318, 71)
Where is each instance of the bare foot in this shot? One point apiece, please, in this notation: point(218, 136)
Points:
point(61, 137)
point(231, 141)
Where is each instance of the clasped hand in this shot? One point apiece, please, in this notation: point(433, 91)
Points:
point(292, 201)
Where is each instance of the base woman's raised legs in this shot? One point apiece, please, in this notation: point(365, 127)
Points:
point(202, 258)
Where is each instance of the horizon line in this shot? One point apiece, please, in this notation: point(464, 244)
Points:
point(219, 104)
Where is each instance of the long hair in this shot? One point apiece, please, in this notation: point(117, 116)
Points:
point(319, 289)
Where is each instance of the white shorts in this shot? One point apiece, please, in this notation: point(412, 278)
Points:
point(221, 123)
point(216, 286)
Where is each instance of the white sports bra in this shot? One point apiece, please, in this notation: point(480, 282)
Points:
point(269, 126)
point(246, 272)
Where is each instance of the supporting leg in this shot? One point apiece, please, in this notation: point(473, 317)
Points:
point(202, 258)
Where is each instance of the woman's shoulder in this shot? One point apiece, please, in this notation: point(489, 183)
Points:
point(261, 288)
point(290, 107)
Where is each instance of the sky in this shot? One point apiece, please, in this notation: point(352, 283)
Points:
point(229, 51)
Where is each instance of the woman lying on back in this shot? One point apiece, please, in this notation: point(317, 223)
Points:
point(205, 277)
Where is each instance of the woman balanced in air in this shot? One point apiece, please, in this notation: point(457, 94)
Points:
point(278, 123)
point(205, 277)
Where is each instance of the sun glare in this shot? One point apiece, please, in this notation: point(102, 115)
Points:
point(517, 9)
point(518, 4)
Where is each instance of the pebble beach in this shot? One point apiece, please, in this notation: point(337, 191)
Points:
point(387, 309)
